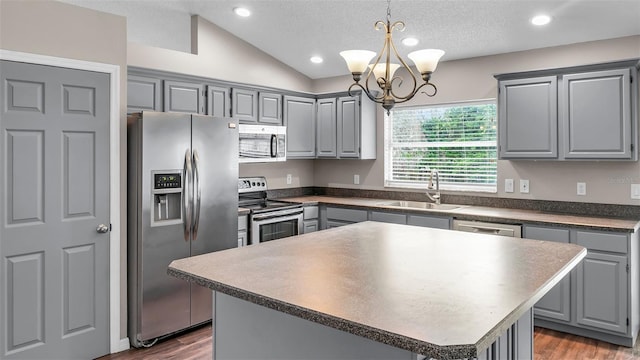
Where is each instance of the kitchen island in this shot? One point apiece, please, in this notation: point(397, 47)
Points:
point(377, 290)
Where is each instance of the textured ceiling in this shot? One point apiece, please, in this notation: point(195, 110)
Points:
point(294, 30)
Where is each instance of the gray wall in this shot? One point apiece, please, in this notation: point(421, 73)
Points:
point(66, 31)
point(470, 79)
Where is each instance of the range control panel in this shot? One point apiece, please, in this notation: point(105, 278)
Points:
point(249, 184)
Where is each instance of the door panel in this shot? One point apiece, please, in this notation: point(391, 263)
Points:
point(55, 163)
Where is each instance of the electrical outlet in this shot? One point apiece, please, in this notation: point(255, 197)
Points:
point(289, 179)
point(524, 186)
point(581, 189)
point(356, 179)
point(508, 185)
point(635, 191)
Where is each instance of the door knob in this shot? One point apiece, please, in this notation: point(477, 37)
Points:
point(102, 228)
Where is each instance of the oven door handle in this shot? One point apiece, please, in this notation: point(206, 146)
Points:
point(276, 214)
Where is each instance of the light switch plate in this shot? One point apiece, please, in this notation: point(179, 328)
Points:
point(635, 191)
point(289, 179)
point(356, 179)
point(524, 186)
point(508, 185)
point(581, 189)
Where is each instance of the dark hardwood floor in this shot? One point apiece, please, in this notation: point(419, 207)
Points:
point(548, 345)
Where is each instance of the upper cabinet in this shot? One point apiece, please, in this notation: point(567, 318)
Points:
point(184, 97)
point(300, 120)
point(254, 107)
point(356, 124)
point(143, 94)
point(587, 112)
point(218, 101)
point(326, 128)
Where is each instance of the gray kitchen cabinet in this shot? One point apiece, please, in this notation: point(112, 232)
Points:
point(579, 113)
point(218, 101)
point(331, 216)
point(395, 218)
point(437, 222)
point(270, 108)
point(556, 304)
point(310, 220)
point(326, 135)
point(143, 94)
point(356, 127)
point(243, 239)
point(597, 115)
point(602, 282)
point(245, 105)
point(528, 118)
point(184, 97)
point(300, 120)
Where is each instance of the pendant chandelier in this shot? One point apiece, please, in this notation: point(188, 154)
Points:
point(383, 72)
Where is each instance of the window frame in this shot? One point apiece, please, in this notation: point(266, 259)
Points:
point(484, 188)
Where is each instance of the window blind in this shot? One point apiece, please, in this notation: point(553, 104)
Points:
point(459, 141)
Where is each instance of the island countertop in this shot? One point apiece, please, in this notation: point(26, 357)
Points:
point(440, 293)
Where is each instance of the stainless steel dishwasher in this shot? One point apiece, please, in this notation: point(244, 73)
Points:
point(488, 228)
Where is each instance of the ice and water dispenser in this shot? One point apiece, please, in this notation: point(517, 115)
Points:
point(166, 194)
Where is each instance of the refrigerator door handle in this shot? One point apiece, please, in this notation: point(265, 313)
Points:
point(197, 188)
point(186, 195)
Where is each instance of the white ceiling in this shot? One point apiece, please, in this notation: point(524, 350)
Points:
point(294, 30)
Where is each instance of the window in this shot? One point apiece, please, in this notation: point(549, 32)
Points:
point(457, 140)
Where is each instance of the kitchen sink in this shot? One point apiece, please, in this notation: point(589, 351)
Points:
point(420, 205)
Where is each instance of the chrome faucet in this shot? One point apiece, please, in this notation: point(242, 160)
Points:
point(435, 197)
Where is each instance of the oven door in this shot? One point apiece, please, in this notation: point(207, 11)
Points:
point(277, 224)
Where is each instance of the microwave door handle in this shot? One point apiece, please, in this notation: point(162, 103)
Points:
point(274, 145)
point(197, 188)
point(186, 195)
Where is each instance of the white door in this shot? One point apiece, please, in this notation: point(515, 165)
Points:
point(54, 195)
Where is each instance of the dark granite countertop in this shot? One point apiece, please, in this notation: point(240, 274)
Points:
point(482, 213)
point(440, 293)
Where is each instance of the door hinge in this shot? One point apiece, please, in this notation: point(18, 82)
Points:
point(627, 321)
point(628, 267)
point(631, 147)
point(110, 227)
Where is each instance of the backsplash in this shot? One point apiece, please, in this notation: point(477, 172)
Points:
point(563, 207)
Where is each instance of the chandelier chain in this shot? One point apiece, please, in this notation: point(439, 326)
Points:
point(388, 11)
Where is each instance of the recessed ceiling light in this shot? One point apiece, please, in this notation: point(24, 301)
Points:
point(243, 12)
point(540, 20)
point(410, 41)
point(316, 59)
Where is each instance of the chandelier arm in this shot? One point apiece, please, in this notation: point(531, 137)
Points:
point(435, 91)
point(366, 92)
point(413, 76)
point(399, 25)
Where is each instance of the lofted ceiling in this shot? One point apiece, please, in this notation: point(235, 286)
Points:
point(294, 30)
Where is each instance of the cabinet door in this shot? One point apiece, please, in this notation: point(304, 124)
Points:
point(602, 292)
point(143, 94)
point(270, 108)
point(310, 226)
point(299, 118)
point(528, 118)
point(556, 304)
point(348, 121)
point(183, 97)
point(429, 221)
point(388, 217)
point(597, 115)
point(245, 105)
point(327, 128)
point(218, 101)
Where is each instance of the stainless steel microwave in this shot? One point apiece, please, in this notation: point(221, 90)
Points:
point(262, 143)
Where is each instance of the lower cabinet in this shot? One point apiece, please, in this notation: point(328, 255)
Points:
point(242, 231)
point(556, 303)
point(310, 222)
point(598, 298)
point(335, 216)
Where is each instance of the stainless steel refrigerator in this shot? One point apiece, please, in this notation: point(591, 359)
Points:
point(182, 201)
